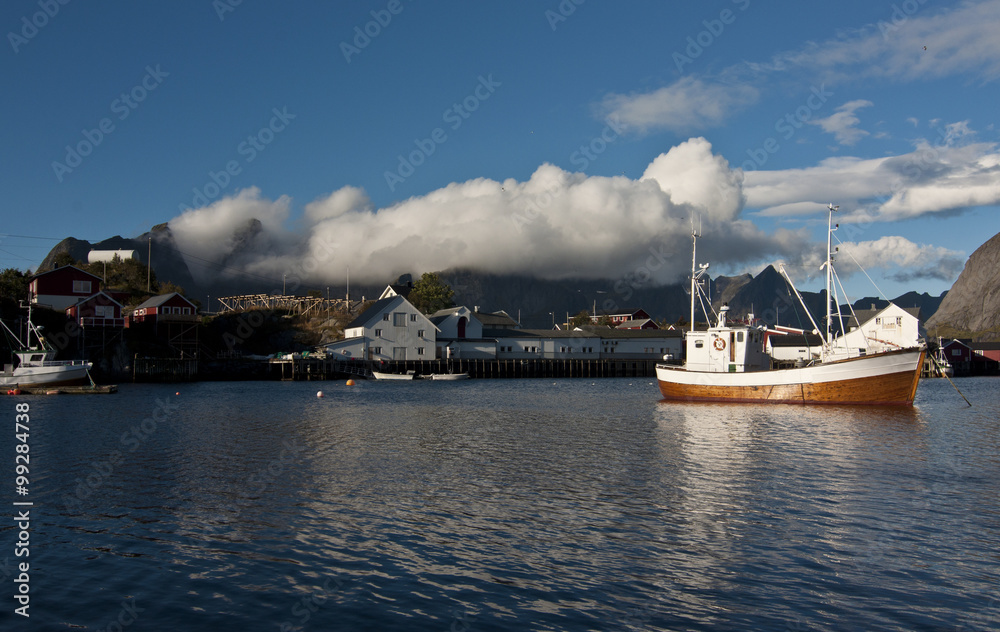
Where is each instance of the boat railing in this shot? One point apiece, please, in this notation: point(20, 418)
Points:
point(57, 363)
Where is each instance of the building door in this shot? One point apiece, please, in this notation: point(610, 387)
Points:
point(461, 326)
point(399, 353)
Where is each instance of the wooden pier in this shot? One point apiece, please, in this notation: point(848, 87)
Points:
point(325, 369)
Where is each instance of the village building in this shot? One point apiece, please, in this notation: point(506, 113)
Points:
point(390, 329)
point(460, 335)
point(63, 287)
point(98, 310)
point(171, 319)
point(644, 323)
point(886, 329)
point(620, 315)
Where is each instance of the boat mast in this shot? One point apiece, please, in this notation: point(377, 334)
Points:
point(694, 248)
point(829, 273)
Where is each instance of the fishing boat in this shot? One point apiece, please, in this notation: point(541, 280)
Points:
point(729, 362)
point(37, 366)
point(409, 375)
point(449, 376)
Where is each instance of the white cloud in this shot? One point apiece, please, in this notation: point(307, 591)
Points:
point(929, 180)
point(901, 258)
point(556, 224)
point(843, 124)
point(924, 44)
point(688, 104)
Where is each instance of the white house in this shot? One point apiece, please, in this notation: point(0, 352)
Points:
point(892, 327)
point(390, 329)
point(460, 335)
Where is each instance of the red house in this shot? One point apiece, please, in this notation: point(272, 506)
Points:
point(63, 287)
point(164, 309)
point(622, 315)
point(958, 352)
point(986, 351)
point(98, 310)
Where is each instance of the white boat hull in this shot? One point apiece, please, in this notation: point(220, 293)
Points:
point(38, 376)
point(392, 376)
point(882, 379)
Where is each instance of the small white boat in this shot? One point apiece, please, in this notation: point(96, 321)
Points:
point(37, 366)
point(409, 375)
point(449, 376)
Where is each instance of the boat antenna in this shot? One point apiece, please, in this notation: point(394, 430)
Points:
point(694, 266)
point(829, 269)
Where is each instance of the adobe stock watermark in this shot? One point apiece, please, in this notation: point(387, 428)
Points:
point(588, 153)
point(564, 9)
point(250, 148)
point(900, 14)
point(131, 440)
point(305, 607)
point(30, 27)
point(454, 116)
point(788, 125)
point(123, 106)
point(222, 7)
point(364, 34)
point(700, 42)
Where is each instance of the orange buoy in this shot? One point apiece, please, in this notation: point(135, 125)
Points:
point(350, 382)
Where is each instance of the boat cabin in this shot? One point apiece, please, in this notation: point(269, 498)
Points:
point(726, 349)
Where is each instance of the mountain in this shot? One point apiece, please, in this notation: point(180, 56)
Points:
point(168, 264)
point(928, 304)
point(539, 302)
point(973, 303)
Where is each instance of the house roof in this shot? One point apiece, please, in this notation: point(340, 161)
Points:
point(584, 332)
point(865, 315)
point(375, 308)
point(156, 301)
point(621, 311)
point(63, 269)
point(93, 296)
point(796, 340)
point(636, 324)
point(985, 346)
point(494, 319)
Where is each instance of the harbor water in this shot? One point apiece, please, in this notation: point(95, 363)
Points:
point(534, 504)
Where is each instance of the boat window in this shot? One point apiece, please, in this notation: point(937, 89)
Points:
point(698, 344)
point(739, 336)
point(36, 358)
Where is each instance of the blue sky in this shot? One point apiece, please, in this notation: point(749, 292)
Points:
point(573, 138)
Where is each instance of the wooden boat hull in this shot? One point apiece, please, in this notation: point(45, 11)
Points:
point(889, 378)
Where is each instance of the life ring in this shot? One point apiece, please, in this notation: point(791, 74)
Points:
point(719, 344)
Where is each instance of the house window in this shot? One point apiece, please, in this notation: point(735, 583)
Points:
point(385, 316)
point(413, 318)
point(878, 321)
point(81, 287)
point(186, 310)
point(420, 333)
point(378, 333)
point(377, 350)
point(899, 320)
point(420, 351)
point(399, 319)
point(956, 352)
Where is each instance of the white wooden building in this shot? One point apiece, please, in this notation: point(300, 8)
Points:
point(390, 329)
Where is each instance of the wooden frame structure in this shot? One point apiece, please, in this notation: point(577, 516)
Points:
point(295, 304)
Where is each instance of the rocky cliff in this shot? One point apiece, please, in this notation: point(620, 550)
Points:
point(973, 303)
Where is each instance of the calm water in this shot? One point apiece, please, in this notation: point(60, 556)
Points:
point(504, 505)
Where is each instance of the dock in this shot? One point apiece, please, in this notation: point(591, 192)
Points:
point(318, 368)
point(70, 390)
